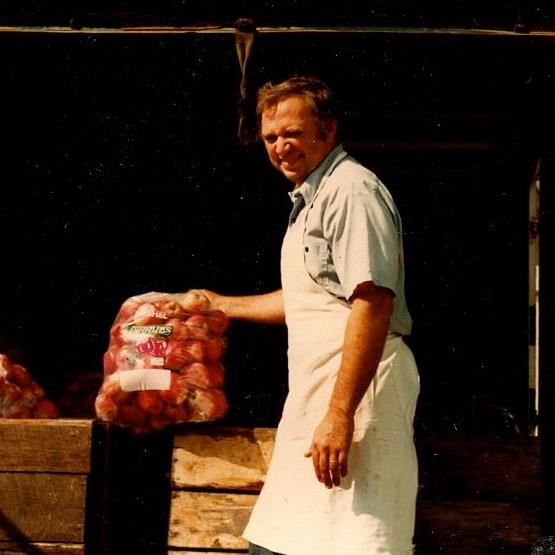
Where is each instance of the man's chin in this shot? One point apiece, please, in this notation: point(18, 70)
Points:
point(293, 176)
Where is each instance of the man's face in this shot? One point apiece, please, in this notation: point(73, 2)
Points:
point(294, 140)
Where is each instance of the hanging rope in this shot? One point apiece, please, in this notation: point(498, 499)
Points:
point(244, 39)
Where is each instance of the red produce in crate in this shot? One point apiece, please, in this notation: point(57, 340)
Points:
point(163, 364)
point(19, 375)
point(20, 395)
point(45, 408)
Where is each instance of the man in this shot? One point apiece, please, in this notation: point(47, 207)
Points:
point(343, 476)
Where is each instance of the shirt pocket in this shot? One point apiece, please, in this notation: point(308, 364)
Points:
point(316, 253)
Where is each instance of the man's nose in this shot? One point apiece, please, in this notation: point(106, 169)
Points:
point(282, 146)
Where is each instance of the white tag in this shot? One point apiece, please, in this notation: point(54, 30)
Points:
point(144, 378)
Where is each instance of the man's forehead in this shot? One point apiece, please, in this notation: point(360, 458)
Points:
point(289, 103)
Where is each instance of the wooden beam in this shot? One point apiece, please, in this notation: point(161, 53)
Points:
point(42, 445)
point(225, 459)
point(477, 494)
point(451, 466)
point(209, 520)
point(214, 520)
point(217, 29)
point(37, 548)
point(42, 507)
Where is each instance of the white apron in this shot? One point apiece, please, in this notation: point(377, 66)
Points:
point(372, 511)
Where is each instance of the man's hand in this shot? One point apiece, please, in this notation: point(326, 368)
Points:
point(330, 448)
point(266, 308)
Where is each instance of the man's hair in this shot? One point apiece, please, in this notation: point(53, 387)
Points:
point(317, 95)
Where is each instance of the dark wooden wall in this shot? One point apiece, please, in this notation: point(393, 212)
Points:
point(125, 176)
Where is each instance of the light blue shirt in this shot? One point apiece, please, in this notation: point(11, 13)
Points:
point(353, 233)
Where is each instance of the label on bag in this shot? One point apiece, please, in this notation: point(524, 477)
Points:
point(144, 378)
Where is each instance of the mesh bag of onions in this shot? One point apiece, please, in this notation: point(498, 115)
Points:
point(20, 395)
point(164, 363)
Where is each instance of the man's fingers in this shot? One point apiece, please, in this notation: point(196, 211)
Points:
point(324, 469)
point(335, 470)
point(328, 468)
point(343, 464)
point(313, 452)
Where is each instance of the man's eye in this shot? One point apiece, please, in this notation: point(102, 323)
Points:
point(270, 138)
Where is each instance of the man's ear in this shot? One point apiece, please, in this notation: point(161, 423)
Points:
point(332, 130)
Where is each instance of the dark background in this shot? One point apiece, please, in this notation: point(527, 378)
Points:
point(122, 173)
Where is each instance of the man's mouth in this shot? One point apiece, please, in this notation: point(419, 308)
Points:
point(289, 162)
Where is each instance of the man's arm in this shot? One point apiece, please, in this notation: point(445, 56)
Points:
point(266, 308)
point(365, 336)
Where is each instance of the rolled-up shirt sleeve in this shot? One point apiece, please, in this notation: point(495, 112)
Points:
point(364, 239)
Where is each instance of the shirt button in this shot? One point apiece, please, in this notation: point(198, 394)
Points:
point(306, 249)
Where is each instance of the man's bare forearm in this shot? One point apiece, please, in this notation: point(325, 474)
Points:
point(365, 337)
point(266, 308)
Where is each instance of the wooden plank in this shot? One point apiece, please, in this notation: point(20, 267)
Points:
point(10, 548)
point(478, 495)
point(458, 467)
point(209, 520)
point(43, 445)
point(450, 467)
point(226, 458)
point(480, 528)
point(42, 507)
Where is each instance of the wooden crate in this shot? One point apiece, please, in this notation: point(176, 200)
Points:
point(477, 495)
point(70, 488)
point(44, 467)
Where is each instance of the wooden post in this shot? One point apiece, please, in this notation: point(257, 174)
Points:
point(129, 492)
point(546, 543)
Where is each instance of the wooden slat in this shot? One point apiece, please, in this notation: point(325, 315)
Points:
point(449, 466)
point(44, 445)
point(225, 458)
point(201, 520)
point(209, 520)
point(477, 495)
point(10, 548)
point(42, 507)
point(475, 527)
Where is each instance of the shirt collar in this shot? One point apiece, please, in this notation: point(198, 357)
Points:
point(310, 185)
